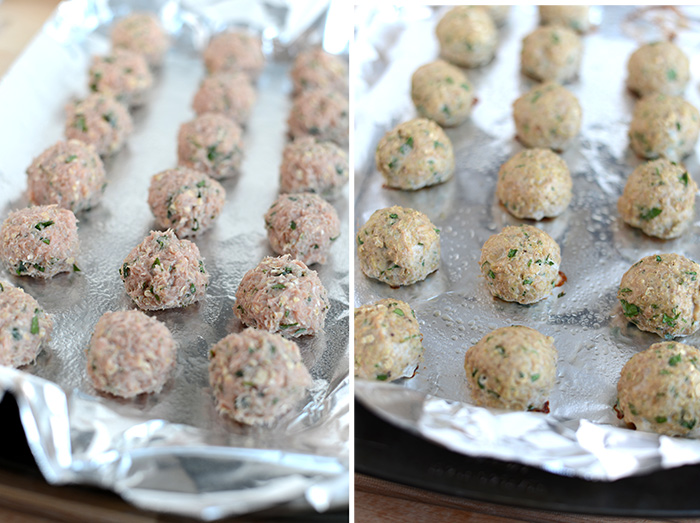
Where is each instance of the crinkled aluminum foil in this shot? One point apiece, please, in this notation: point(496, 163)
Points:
point(582, 436)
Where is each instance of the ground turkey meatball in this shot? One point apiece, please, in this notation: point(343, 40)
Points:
point(164, 272)
point(143, 34)
point(211, 143)
point(185, 200)
point(235, 51)
point(573, 16)
point(415, 154)
point(521, 264)
point(551, 53)
point(130, 354)
point(664, 126)
point(388, 341)
point(282, 295)
point(467, 36)
point(547, 116)
point(661, 293)
point(512, 368)
point(498, 13)
point(659, 67)
point(122, 74)
point(24, 327)
point(441, 92)
point(257, 376)
point(316, 69)
point(534, 184)
point(99, 120)
point(303, 225)
point(659, 199)
point(398, 246)
point(320, 113)
point(309, 165)
point(230, 94)
point(40, 241)
point(69, 174)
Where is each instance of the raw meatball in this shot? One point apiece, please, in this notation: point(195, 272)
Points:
point(551, 53)
point(40, 241)
point(257, 376)
point(24, 327)
point(230, 94)
point(398, 246)
point(659, 199)
point(388, 341)
point(130, 354)
point(512, 368)
point(521, 264)
point(99, 120)
point(415, 154)
point(235, 51)
point(211, 143)
point(320, 113)
point(659, 67)
point(573, 16)
point(69, 174)
point(282, 295)
point(498, 13)
point(660, 294)
point(143, 34)
point(316, 69)
point(664, 126)
point(122, 74)
point(309, 165)
point(303, 225)
point(164, 272)
point(467, 36)
point(441, 92)
point(547, 116)
point(185, 200)
point(659, 390)
point(534, 184)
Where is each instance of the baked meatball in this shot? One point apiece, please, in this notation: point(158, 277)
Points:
point(551, 53)
point(659, 390)
point(164, 272)
point(130, 354)
point(664, 126)
point(123, 74)
point(659, 67)
point(211, 143)
point(257, 376)
point(521, 264)
point(282, 295)
point(534, 184)
point(467, 36)
point(512, 368)
point(398, 246)
point(40, 241)
point(309, 165)
point(660, 294)
point(547, 116)
point(303, 225)
point(322, 114)
point(99, 120)
point(185, 200)
point(415, 154)
point(235, 51)
point(441, 92)
point(143, 34)
point(316, 69)
point(574, 16)
point(69, 174)
point(659, 199)
point(24, 327)
point(230, 94)
point(388, 341)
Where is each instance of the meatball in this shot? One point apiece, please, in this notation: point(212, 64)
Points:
point(40, 241)
point(659, 390)
point(282, 295)
point(316, 69)
point(534, 184)
point(230, 94)
point(664, 126)
point(659, 67)
point(659, 199)
point(547, 116)
point(551, 53)
point(130, 354)
point(69, 174)
point(164, 272)
point(24, 327)
point(512, 368)
point(99, 120)
point(309, 165)
point(257, 376)
point(498, 13)
point(398, 246)
point(441, 92)
point(235, 51)
point(415, 154)
point(660, 293)
point(185, 200)
point(211, 143)
point(320, 113)
point(574, 16)
point(123, 74)
point(388, 341)
point(521, 264)
point(467, 36)
point(143, 34)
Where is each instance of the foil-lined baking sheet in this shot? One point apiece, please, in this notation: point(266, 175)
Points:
point(582, 435)
point(172, 452)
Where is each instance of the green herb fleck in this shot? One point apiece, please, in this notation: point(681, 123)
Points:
point(399, 312)
point(287, 325)
point(683, 178)
point(671, 74)
point(157, 262)
point(43, 225)
point(80, 123)
point(650, 213)
point(279, 286)
point(629, 309)
point(35, 322)
point(534, 377)
point(76, 268)
point(660, 419)
point(15, 333)
point(512, 252)
point(674, 360)
point(71, 158)
point(492, 275)
point(293, 225)
point(382, 377)
point(688, 424)
point(47, 241)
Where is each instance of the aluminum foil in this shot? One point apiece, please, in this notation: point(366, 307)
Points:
point(582, 435)
point(170, 452)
